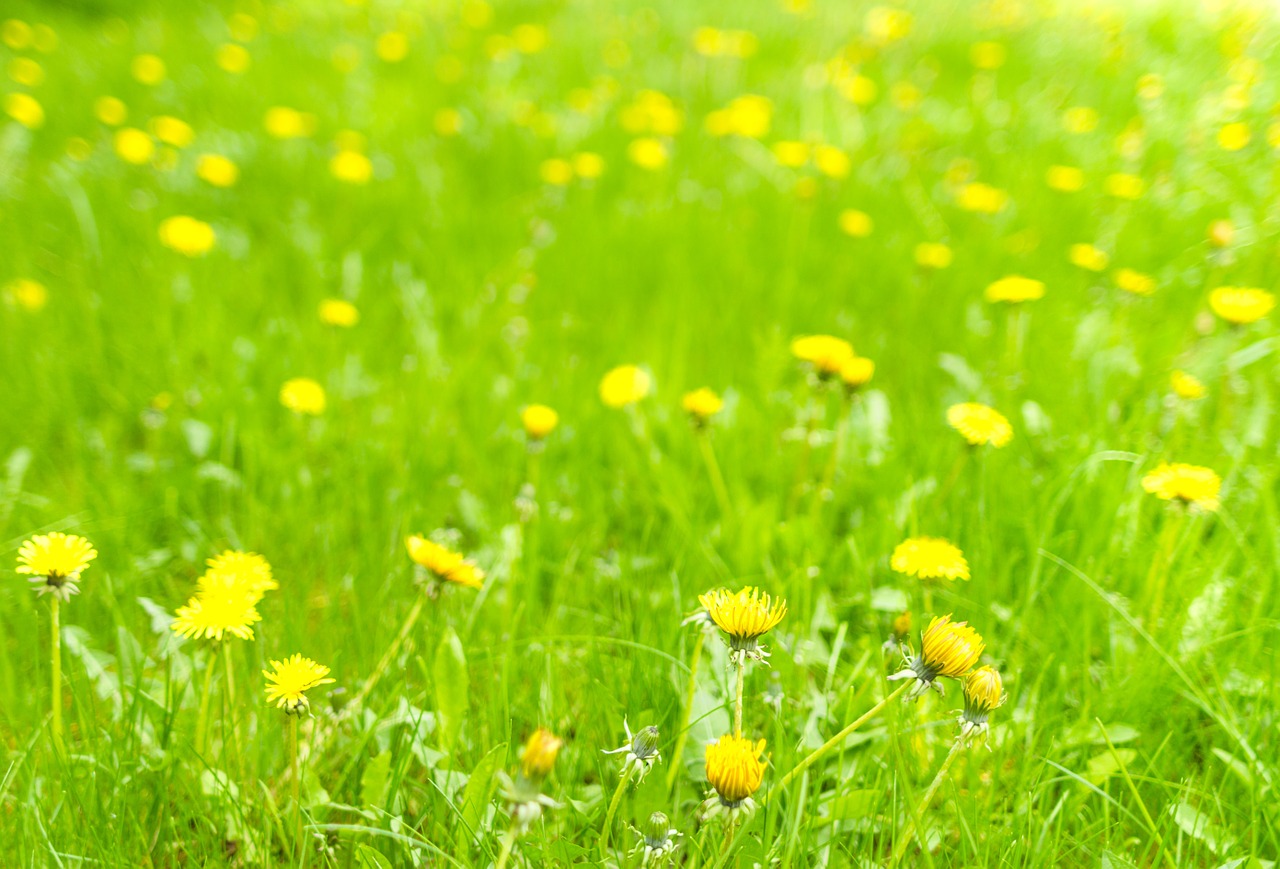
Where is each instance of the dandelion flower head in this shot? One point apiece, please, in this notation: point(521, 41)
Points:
point(980, 424)
point(930, 558)
point(288, 682)
point(54, 561)
point(1191, 485)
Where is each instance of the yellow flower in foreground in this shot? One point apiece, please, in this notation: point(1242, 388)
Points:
point(947, 649)
point(735, 769)
point(25, 109)
point(1241, 305)
point(289, 681)
point(701, 404)
point(980, 424)
point(339, 312)
point(351, 167)
point(1065, 179)
point(1186, 386)
point(624, 385)
point(27, 294)
point(1191, 485)
point(302, 395)
point(539, 754)
point(856, 372)
point(217, 170)
point(1233, 136)
point(983, 693)
point(443, 563)
point(212, 614)
point(929, 558)
point(1135, 282)
point(245, 573)
point(1088, 257)
point(54, 561)
point(187, 235)
point(857, 224)
point(1014, 289)
point(148, 69)
point(539, 421)
point(745, 616)
point(826, 353)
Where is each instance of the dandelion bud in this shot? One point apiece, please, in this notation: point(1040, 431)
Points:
point(539, 754)
point(983, 692)
point(656, 828)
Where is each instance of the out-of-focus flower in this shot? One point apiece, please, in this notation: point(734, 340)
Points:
point(282, 122)
point(539, 421)
point(791, 154)
point(1088, 257)
point(1014, 289)
point(932, 255)
point(392, 47)
point(1222, 233)
point(187, 235)
point(1066, 179)
point(303, 396)
point(172, 131)
point(25, 109)
point(1190, 485)
point(26, 72)
point(217, 170)
point(351, 167)
point(556, 171)
point(701, 404)
point(625, 385)
point(133, 145)
point(980, 424)
point(1151, 87)
point(884, 24)
point(443, 563)
point(929, 558)
point(1241, 305)
point(1233, 136)
point(1080, 119)
point(857, 224)
point(987, 55)
point(448, 122)
point(648, 153)
point(232, 58)
point(26, 293)
point(587, 165)
point(826, 353)
point(749, 115)
point(1124, 186)
point(653, 113)
point(1187, 386)
point(856, 372)
point(982, 198)
point(339, 312)
point(1135, 282)
point(148, 69)
point(110, 111)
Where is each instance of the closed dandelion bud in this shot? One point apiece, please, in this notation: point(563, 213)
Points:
point(983, 692)
point(657, 841)
point(902, 624)
point(657, 826)
point(948, 649)
point(641, 750)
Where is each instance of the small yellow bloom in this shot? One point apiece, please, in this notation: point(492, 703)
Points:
point(1222, 233)
point(110, 111)
point(217, 170)
point(351, 167)
point(16, 34)
point(735, 769)
point(539, 421)
point(749, 115)
point(246, 573)
point(1191, 485)
point(1234, 136)
point(529, 38)
point(282, 122)
point(929, 558)
point(947, 649)
point(648, 153)
point(187, 236)
point(25, 109)
point(289, 680)
point(885, 24)
point(232, 58)
point(791, 154)
point(932, 255)
point(1066, 179)
point(303, 396)
point(392, 47)
point(745, 616)
point(625, 385)
point(826, 353)
point(857, 224)
point(1124, 186)
point(27, 294)
point(1014, 289)
point(983, 693)
point(831, 161)
point(26, 71)
point(702, 404)
point(1080, 119)
point(539, 754)
point(1088, 257)
point(588, 165)
point(557, 171)
point(1151, 86)
point(133, 145)
point(443, 563)
point(339, 312)
point(1135, 282)
point(982, 198)
point(148, 69)
point(172, 131)
point(856, 372)
point(980, 424)
point(54, 561)
point(1241, 305)
point(859, 90)
point(651, 112)
point(1187, 386)
point(987, 55)
point(448, 122)
point(222, 609)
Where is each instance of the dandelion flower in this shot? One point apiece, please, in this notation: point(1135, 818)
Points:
point(539, 421)
point(1088, 257)
point(303, 396)
point(247, 573)
point(745, 617)
point(25, 109)
point(701, 405)
point(232, 58)
point(289, 680)
point(217, 170)
point(1014, 289)
point(1222, 233)
point(1135, 282)
point(947, 649)
point(539, 754)
point(856, 372)
point(148, 69)
point(1065, 179)
point(27, 294)
point(54, 561)
point(980, 424)
point(734, 770)
point(1122, 185)
point(556, 171)
point(983, 692)
point(588, 165)
point(523, 795)
point(982, 198)
point(854, 223)
point(930, 558)
point(641, 748)
point(625, 385)
point(282, 122)
point(172, 131)
point(932, 255)
point(1187, 386)
point(1240, 306)
point(351, 167)
point(222, 609)
point(648, 153)
point(339, 312)
point(442, 563)
point(826, 353)
point(187, 235)
point(1191, 485)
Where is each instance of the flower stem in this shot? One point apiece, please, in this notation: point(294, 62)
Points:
point(682, 733)
point(1158, 575)
point(231, 732)
point(297, 787)
point(613, 809)
point(713, 471)
point(508, 842)
point(833, 461)
point(390, 654)
point(833, 742)
point(737, 703)
point(55, 652)
point(907, 834)
point(202, 722)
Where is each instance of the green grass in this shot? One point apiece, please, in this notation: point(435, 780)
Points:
point(1127, 739)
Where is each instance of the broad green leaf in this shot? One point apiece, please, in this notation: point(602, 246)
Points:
point(368, 857)
point(451, 679)
point(479, 790)
point(374, 781)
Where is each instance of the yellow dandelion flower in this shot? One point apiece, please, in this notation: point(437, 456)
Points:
point(735, 768)
point(857, 224)
point(27, 294)
point(392, 47)
point(1065, 179)
point(982, 198)
point(539, 754)
point(1189, 485)
point(303, 396)
point(1187, 386)
point(282, 122)
point(25, 109)
point(885, 24)
point(1241, 305)
point(339, 312)
point(929, 558)
point(529, 38)
point(217, 170)
point(859, 90)
point(831, 161)
point(702, 404)
point(1088, 257)
point(1151, 86)
point(110, 111)
point(351, 167)
point(932, 255)
point(187, 235)
point(246, 573)
point(1122, 185)
point(588, 165)
point(856, 372)
point(288, 682)
point(442, 563)
point(232, 58)
point(791, 154)
point(980, 424)
point(220, 610)
point(1233, 136)
point(172, 131)
point(947, 649)
point(556, 171)
point(983, 693)
point(826, 353)
point(1014, 289)
point(1222, 233)
point(148, 69)
point(648, 153)
point(133, 145)
point(987, 55)
point(1135, 282)
point(54, 561)
point(539, 421)
point(745, 617)
point(624, 385)
point(1080, 119)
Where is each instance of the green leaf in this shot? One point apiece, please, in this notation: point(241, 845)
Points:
point(479, 790)
point(451, 679)
point(1103, 766)
point(368, 857)
point(374, 781)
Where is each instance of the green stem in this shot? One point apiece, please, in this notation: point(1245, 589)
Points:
point(613, 809)
point(390, 654)
point(833, 742)
point(961, 460)
point(55, 652)
point(682, 733)
point(202, 722)
point(713, 471)
point(907, 835)
point(508, 842)
point(833, 462)
point(297, 788)
point(1158, 575)
point(737, 703)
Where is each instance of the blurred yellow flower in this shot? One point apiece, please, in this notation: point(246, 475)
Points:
point(539, 420)
point(303, 396)
point(222, 610)
point(25, 109)
point(858, 89)
point(1014, 289)
point(651, 112)
point(735, 770)
point(982, 198)
point(26, 293)
point(556, 171)
point(624, 385)
point(282, 122)
point(885, 24)
point(246, 573)
point(1222, 233)
point(929, 558)
point(980, 424)
point(339, 312)
point(749, 115)
point(1124, 186)
point(133, 145)
point(647, 153)
point(856, 223)
point(905, 95)
point(232, 58)
point(148, 69)
point(54, 562)
point(529, 38)
point(110, 110)
point(476, 14)
point(856, 372)
point(392, 47)
point(932, 255)
point(1135, 282)
point(791, 154)
point(288, 682)
point(831, 161)
point(826, 353)
point(16, 33)
point(1241, 305)
point(988, 55)
point(172, 131)
point(1080, 119)
point(351, 167)
point(1187, 386)
point(217, 170)
point(444, 564)
point(1088, 257)
point(702, 403)
point(79, 149)
point(539, 754)
point(1234, 136)
point(1066, 179)
point(448, 122)
point(187, 235)
point(26, 72)
point(1151, 86)
point(588, 165)
point(1190, 485)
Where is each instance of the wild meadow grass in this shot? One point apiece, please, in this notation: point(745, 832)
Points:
point(348, 286)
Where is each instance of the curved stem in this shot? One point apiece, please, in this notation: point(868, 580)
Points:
point(508, 841)
point(390, 654)
point(833, 742)
point(907, 835)
point(682, 733)
point(55, 652)
point(613, 809)
point(202, 722)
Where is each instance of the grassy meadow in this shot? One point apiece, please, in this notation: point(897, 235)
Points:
point(296, 279)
